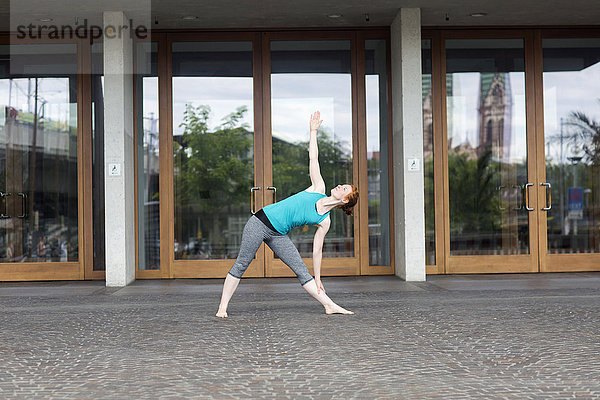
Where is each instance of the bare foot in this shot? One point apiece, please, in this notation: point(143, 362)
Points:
point(335, 309)
point(221, 314)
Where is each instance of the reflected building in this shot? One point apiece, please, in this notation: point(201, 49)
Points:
point(495, 116)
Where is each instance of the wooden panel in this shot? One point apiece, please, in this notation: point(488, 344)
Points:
point(362, 208)
point(533, 154)
point(259, 147)
point(357, 150)
point(572, 262)
point(40, 271)
point(84, 161)
point(213, 269)
point(491, 264)
point(148, 274)
point(165, 156)
point(443, 146)
point(440, 146)
point(432, 270)
point(538, 126)
point(329, 267)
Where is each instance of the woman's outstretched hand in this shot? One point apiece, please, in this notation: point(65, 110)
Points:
point(315, 121)
point(319, 286)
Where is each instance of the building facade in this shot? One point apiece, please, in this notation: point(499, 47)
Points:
point(475, 149)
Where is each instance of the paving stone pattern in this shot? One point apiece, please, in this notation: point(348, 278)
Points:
point(406, 341)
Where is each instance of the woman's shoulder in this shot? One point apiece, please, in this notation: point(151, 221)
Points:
point(315, 189)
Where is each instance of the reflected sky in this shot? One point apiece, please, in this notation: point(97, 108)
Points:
point(565, 92)
point(295, 96)
point(222, 94)
point(53, 98)
point(372, 97)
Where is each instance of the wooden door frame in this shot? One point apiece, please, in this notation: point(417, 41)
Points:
point(555, 262)
point(480, 263)
point(363, 204)
point(329, 266)
point(440, 142)
point(536, 149)
point(69, 270)
point(171, 268)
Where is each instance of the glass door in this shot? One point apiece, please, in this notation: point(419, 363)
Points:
point(491, 198)
point(214, 182)
point(570, 228)
point(304, 75)
point(39, 236)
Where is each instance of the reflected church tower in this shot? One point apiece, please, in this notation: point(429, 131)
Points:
point(495, 115)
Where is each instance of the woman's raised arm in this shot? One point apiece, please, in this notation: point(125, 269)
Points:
point(317, 183)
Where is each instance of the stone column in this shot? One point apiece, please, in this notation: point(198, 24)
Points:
point(409, 205)
point(118, 151)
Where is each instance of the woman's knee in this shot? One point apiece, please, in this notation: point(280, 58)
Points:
point(238, 269)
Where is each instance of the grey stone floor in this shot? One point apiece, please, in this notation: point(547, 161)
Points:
point(452, 337)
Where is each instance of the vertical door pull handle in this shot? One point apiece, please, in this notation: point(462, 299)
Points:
point(274, 189)
point(3, 197)
point(519, 201)
point(23, 205)
point(254, 189)
point(525, 189)
point(500, 198)
point(548, 196)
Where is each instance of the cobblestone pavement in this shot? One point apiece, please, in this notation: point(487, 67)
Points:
point(453, 337)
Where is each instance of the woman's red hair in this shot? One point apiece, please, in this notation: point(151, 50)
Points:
point(352, 199)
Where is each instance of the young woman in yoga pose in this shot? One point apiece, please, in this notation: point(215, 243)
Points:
point(272, 223)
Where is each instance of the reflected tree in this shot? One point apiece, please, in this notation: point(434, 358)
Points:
point(474, 205)
point(587, 133)
point(213, 172)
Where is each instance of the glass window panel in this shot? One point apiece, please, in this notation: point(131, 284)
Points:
point(487, 146)
point(148, 156)
point(377, 150)
point(98, 155)
point(572, 138)
point(38, 153)
point(308, 76)
point(213, 147)
point(427, 101)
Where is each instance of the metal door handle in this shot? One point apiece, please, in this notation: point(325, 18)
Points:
point(526, 196)
point(254, 189)
point(548, 196)
point(3, 197)
point(24, 204)
point(500, 198)
point(520, 202)
point(274, 189)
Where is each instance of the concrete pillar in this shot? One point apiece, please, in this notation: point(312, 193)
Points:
point(118, 151)
point(409, 205)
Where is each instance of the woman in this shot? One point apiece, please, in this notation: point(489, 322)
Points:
point(273, 222)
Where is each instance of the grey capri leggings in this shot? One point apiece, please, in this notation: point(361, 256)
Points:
point(255, 232)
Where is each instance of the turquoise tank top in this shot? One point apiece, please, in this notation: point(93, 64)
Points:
point(297, 210)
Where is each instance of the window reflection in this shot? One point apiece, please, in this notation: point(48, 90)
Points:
point(572, 138)
point(427, 99)
point(213, 147)
point(377, 151)
point(38, 153)
point(98, 155)
point(308, 76)
point(148, 166)
point(487, 144)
